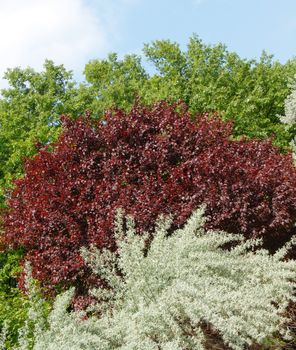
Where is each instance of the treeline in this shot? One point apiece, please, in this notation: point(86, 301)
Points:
point(207, 78)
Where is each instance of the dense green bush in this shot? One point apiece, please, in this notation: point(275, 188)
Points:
point(13, 307)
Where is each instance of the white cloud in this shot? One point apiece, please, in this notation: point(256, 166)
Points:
point(66, 31)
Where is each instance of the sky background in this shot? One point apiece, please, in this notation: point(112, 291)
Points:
point(72, 32)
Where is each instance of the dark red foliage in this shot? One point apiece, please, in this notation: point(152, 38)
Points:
point(148, 162)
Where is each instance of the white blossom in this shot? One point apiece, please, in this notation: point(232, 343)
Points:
point(290, 106)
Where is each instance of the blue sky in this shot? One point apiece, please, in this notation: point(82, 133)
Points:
point(74, 31)
point(247, 27)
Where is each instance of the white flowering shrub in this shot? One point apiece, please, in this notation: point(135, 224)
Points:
point(162, 296)
point(290, 115)
point(290, 106)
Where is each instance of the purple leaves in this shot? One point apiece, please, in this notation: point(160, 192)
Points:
point(150, 161)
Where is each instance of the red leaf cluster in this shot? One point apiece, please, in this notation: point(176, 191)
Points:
point(150, 161)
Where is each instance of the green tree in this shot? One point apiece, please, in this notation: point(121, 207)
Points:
point(113, 82)
point(207, 78)
point(29, 113)
point(12, 303)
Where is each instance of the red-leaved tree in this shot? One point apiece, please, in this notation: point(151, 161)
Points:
point(150, 161)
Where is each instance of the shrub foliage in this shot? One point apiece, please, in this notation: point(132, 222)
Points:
point(149, 161)
point(163, 298)
point(13, 306)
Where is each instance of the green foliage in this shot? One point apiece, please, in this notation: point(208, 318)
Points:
point(34, 312)
point(13, 308)
point(208, 78)
point(163, 296)
point(113, 82)
point(29, 113)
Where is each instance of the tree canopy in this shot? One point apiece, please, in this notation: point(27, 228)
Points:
point(208, 78)
point(29, 114)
